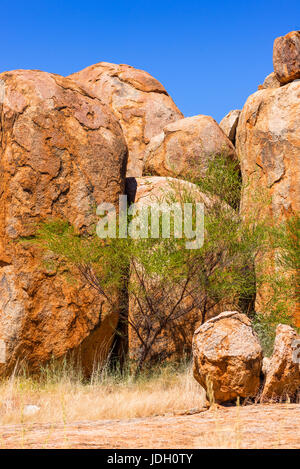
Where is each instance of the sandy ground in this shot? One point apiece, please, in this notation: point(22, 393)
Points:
point(253, 426)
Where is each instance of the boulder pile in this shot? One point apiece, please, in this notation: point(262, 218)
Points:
point(70, 143)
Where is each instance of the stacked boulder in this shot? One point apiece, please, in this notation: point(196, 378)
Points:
point(185, 148)
point(286, 57)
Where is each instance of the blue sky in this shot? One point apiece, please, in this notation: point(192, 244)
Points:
point(210, 56)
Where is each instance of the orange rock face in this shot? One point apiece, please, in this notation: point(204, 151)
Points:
point(268, 145)
point(286, 57)
point(140, 103)
point(283, 370)
point(62, 153)
point(227, 357)
point(185, 147)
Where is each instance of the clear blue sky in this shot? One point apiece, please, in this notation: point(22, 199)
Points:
point(209, 55)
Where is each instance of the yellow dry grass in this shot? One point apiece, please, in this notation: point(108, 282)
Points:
point(64, 397)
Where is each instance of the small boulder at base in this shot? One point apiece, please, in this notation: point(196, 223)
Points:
point(286, 57)
point(229, 124)
point(227, 357)
point(283, 371)
point(185, 148)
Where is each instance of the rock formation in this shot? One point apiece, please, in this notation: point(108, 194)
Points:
point(185, 148)
point(268, 145)
point(229, 124)
point(227, 357)
point(66, 145)
point(140, 103)
point(62, 153)
point(286, 57)
point(282, 376)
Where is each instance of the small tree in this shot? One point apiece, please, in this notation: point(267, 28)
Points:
point(167, 282)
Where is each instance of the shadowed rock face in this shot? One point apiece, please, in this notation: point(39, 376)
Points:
point(283, 370)
point(268, 146)
point(227, 357)
point(185, 147)
point(286, 57)
point(140, 103)
point(62, 153)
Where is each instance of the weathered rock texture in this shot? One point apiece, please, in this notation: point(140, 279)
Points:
point(140, 103)
point(286, 57)
point(271, 81)
point(185, 148)
point(283, 371)
point(62, 153)
point(268, 145)
point(227, 357)
point(176, 336)
point(229, 124)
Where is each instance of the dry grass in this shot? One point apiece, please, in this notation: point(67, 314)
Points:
point(64, 397)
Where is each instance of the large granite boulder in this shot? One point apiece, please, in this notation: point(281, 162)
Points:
point(185, 148)
point(140, 103)
point(227, 357)
point(286, 57)
point(62, 153)
point(268, 146)
point(282, 374)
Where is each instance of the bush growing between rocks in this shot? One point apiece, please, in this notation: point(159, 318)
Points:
point(222, 269)
point(223, 179)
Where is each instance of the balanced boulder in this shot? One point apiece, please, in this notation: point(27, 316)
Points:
point(185, 148)
point(286, 57)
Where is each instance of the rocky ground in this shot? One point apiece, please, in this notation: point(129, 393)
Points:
point(253, 426)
